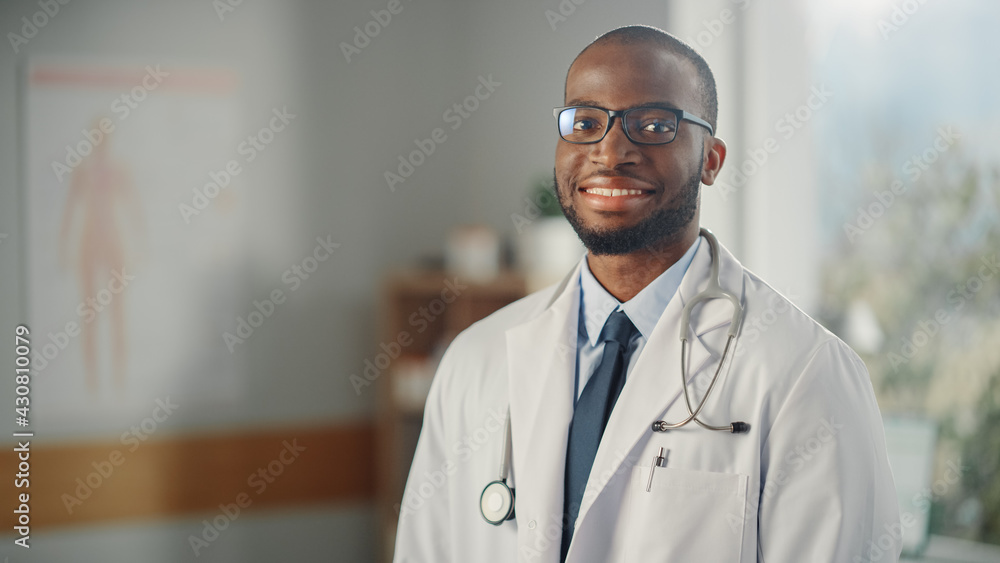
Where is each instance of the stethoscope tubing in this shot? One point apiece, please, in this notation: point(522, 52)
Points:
point(712, 291)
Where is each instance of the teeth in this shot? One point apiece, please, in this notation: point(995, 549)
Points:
point(612, 193)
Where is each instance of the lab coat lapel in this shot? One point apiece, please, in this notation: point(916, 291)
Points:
point(653, 385)
point(541, 355)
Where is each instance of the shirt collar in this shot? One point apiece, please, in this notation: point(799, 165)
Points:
point(644, 310)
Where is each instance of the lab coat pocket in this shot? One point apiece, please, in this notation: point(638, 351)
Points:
point(685, 516)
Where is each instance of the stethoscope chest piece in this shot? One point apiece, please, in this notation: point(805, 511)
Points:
point(497, 502)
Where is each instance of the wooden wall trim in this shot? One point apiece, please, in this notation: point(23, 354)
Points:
point(190, 474)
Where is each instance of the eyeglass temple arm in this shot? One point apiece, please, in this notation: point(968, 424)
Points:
point(697, 120)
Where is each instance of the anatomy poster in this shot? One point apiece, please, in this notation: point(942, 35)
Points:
point(135, 256)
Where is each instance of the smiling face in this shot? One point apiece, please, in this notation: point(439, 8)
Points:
point(658, 202)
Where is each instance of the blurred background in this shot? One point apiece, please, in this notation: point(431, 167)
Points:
point(241, 233)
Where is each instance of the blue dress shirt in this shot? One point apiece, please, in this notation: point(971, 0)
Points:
point(644, 310)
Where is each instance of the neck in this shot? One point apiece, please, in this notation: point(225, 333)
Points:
point(625, 275)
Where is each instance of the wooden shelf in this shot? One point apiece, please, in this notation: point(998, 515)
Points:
point(420, 311)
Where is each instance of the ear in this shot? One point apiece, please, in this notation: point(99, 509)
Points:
point(715, 156)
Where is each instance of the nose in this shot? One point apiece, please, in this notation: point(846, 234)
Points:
point(615, 149)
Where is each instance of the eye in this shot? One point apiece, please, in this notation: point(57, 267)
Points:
point(657, 125)
point(585, 124)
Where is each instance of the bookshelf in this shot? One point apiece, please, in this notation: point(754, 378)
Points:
point(420, 312)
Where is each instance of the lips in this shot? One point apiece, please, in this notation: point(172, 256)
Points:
point(615, 186)
point(617, 193)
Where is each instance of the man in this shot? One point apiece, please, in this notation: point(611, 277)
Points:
point(587, 367)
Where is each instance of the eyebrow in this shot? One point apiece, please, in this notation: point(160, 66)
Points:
point(593, 103)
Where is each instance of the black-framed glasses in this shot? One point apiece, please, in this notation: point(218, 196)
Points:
point(643, 125)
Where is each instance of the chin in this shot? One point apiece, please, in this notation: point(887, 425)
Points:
point(661, 227)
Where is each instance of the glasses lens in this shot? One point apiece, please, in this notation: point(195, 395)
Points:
point(651, 125)
point(582, 125)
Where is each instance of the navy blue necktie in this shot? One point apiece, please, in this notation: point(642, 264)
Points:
point(591, 415)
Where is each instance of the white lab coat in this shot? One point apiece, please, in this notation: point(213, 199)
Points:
point(809, 483)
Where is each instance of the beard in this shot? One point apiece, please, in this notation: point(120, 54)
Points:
point(661, 225)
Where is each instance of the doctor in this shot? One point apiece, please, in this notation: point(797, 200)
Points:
point(587, 367)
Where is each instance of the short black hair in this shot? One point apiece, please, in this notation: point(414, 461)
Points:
point(639, 34)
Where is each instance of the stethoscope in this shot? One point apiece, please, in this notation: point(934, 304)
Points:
point(497, 501)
